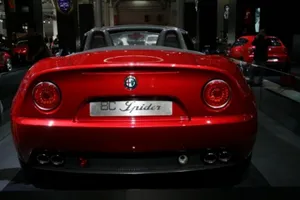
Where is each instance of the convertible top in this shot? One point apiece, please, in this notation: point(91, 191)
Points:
point(137, 27)
point(105, 39)
point(110, 48)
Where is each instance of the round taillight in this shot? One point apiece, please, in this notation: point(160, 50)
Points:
point(216, 94)
point(46, 96)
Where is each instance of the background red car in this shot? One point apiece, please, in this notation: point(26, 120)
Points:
point(5, 61)
point(134, 110)
point(20, 51)
point(242, 49)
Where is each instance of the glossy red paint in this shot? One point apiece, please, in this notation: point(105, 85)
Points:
point(244, 51)
point(176, 75)
point(20, 50)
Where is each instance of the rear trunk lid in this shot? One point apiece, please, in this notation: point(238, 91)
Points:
point(169, 76)
point(128, 57)
point(276, 46)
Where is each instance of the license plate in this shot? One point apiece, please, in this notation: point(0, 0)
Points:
point(131, 108)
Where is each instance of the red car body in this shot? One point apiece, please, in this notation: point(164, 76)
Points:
point(20, 51)
point(243, 49)
point(69, 84)
point(21, 48)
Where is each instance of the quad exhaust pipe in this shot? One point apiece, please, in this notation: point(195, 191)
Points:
point(183, 159)
point(43, 159)
point(210, 157)
point(224, 156)
point(55, 160)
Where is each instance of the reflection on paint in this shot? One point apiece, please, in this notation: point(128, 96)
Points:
point(257, 19)
point(140, 58)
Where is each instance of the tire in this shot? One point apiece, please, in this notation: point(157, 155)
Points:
point(30, 175)
point(242, 171)
point(39, 179)
point(237, 174)
point(1, 112)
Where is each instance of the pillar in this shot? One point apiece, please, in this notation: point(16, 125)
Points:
point(10, 9)
point(67, 27)
point(106, 15)
point(207, 23)
point(111, 14)
point(86, 20)
point(98, 13)
point(36, 18)
point(55, 32)
point(231, 19)
point(173, 12)
point(180, 13)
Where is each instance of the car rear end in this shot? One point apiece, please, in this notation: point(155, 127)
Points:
point(5, 61)
point(135, 119)
point(20, 53)
point(277, 54)
point(237, 50)
point(278, 57)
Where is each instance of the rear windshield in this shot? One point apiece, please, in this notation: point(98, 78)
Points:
point(273, 42)
point(152, 38)
point(126, 38)
point(240, 42)
point(22, 43)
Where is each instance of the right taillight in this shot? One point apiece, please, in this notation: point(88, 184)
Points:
point(216, 94)
point(46, 96)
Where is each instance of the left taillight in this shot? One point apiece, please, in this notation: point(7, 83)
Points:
point(24, 50)
point(216, 94)
point(251, 50)
point(46, 96)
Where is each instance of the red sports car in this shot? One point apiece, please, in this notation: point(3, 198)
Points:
point(243, 49)
point(134, 109)
point(20, 51)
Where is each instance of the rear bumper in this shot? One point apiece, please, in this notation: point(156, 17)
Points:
point(19, 58)
point(173, 168)
point(236, 133)
point(276, 65)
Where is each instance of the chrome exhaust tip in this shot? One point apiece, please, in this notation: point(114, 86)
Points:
point(210, 158)
point(43, 159)
point(183, 159)
point(57, 160)
point(224, 156)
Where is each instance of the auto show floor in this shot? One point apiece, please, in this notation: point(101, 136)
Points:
point(275, 162)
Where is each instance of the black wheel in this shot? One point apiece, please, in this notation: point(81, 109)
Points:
point(1, 112)
point(30, 175)
point(237, 174)
point(39, 179)
point(242, 171)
